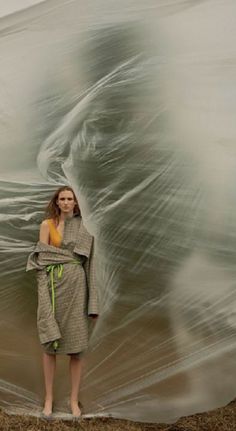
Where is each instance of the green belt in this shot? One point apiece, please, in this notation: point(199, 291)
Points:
point(59, 267)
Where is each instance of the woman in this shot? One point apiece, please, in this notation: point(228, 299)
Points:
point(63, 258)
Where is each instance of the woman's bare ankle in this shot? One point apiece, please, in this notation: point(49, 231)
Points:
point(75, 410)
point(48, 404)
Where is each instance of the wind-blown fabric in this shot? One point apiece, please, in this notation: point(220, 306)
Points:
point(75, 291)
point(132, 104)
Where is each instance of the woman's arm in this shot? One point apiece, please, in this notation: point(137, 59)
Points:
point(44, 232)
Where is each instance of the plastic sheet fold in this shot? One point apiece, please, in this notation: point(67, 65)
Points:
point(133, 105)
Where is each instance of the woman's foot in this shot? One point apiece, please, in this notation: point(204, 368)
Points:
point(47, 410)
point(75, 410)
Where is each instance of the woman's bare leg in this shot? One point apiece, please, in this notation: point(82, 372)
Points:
point(75, 373)
point(49, 366)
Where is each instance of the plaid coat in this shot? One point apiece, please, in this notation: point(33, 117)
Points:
point(71, 270)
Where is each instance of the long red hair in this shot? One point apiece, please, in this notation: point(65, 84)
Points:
point(52, 210)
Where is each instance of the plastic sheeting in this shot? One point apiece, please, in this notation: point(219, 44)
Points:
point(133, 103)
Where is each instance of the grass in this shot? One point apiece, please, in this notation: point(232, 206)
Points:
point(222, 419)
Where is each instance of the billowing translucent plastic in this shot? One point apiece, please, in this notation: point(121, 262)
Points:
point(134, 104)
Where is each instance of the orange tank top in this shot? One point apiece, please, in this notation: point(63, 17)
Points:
point(54, 235)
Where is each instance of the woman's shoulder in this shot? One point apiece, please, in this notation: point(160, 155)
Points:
point(44, 226)
point(76, 218)
point(49, 220)
point(85, 231)
point(78, 223)
point(46, 222)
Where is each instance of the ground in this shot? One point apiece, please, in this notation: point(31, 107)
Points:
point(223, 419)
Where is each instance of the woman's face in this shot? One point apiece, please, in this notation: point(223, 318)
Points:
point(66, 201)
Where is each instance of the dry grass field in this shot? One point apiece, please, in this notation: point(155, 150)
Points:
point(223, 419)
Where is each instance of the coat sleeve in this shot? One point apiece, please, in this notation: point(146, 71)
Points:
point(47, 326)
point(93, 308)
